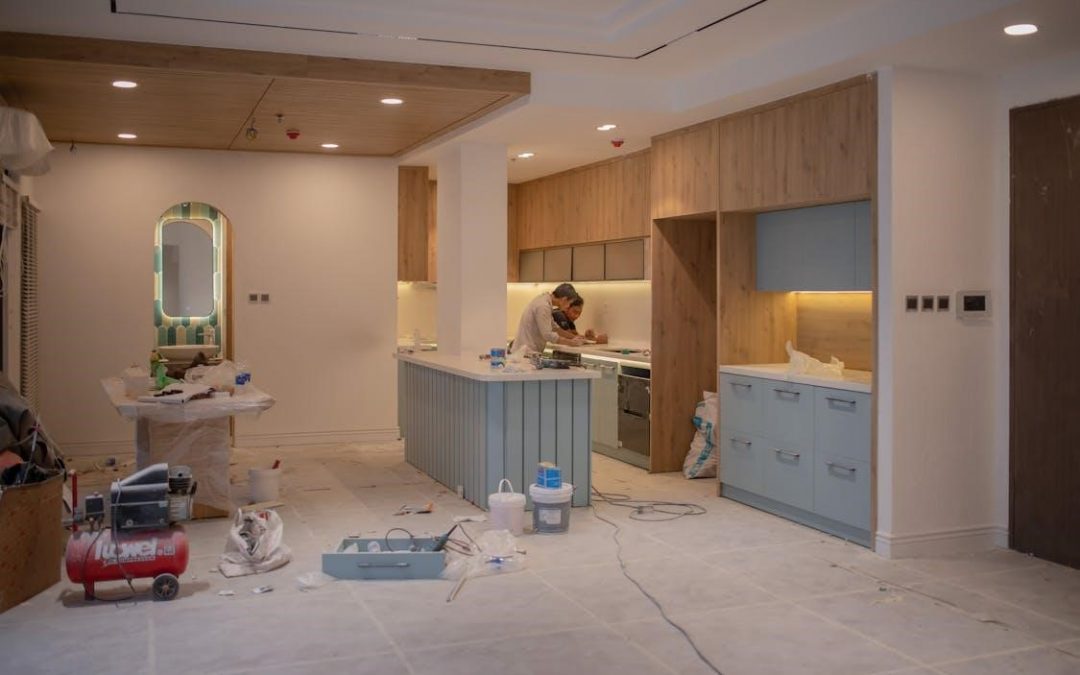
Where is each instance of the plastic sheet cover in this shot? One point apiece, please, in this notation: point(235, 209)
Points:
point(253, 401)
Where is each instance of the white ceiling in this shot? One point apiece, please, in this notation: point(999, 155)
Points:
point(770, 50)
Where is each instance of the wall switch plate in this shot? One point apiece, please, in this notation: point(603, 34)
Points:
point(253, 297)
point(911, 303)
point(264, 297)
point(927, 303)
point(943, 303)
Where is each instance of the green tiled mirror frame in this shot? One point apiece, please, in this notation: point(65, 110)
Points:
point(180, 330)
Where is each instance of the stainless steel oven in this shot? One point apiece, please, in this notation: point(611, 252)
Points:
point(634, 409)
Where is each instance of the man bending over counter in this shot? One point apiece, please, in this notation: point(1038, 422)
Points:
point(565, 326)
point(537, 326)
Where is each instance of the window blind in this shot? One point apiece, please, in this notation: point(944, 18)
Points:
point(28, 337)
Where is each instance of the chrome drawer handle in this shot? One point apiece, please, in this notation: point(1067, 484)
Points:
point(848, 403)
point(844, 467)
point(742, 384)
point(370, 565)
point(787, 453)
point(741, 442)
point(790, 395)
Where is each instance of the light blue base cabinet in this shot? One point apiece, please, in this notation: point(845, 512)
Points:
point(473, 433)
point(799, 451)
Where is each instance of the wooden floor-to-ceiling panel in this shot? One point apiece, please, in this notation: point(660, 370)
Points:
point(1044, 454)
point(683, 333)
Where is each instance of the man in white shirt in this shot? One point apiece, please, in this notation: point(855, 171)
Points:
point(537, 328)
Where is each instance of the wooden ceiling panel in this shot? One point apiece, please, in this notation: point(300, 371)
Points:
point(200, 97)
point(77, 102)
point(352, 116)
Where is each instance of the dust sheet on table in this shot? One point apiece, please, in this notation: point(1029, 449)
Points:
point(202, 445)
point(253, 401)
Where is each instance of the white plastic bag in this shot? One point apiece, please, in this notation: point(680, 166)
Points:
point(701, 460)
point(495, 553)
point(800, 363)
point(221, 377)
point(254, 544)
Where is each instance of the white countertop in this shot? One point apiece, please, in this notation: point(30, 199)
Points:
point(853, 380)
point(604, 351)
point(474, 368)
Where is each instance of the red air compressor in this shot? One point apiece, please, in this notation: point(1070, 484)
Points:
point(143, 539)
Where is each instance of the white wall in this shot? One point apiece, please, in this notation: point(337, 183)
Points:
point(315, 232)
point(937, 375)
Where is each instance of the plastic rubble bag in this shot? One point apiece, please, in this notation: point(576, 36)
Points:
point(221, 377)
point(800, 363)
point(254, 544)
point(495, 552)
point(701, 460)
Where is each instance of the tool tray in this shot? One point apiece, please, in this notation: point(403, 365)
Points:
point(352, 560)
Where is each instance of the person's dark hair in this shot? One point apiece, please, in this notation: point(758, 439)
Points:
point(578, 301)
point(564, 291)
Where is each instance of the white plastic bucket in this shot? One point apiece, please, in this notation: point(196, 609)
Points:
point(264, 484)
point(551, 508)
point(507, 509)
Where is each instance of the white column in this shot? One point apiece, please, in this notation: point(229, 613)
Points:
point(471, 248)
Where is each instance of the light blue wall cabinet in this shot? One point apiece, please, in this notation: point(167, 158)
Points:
point(821, 248)
point(799, 451)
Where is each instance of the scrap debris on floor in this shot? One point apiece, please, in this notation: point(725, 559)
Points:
point(755, 593)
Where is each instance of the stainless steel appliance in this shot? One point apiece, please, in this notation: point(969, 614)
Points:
point(634, 410)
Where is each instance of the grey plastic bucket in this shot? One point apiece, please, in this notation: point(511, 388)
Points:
point(551, 508)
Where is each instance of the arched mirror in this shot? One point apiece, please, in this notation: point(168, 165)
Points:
point(191, 290)
point(187, 268)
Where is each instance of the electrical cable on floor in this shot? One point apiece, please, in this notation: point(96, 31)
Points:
point(689, 509)
point(641, 508)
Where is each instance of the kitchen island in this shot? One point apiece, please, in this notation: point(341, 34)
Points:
point(468, 425)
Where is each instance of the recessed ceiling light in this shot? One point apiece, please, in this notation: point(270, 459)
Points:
point(1021, 29)
point(126, 136)
point(526, 155)
point(605, 127)
point(391, 101)
point(330, 146)
point(125, 84)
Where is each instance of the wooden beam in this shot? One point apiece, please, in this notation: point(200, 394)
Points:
point(269, 64)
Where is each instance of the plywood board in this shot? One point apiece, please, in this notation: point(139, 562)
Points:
point(836, 324)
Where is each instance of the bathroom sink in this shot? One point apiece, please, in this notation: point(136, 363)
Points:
point(186, 352)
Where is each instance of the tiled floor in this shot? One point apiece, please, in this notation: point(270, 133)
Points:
point(756, 593)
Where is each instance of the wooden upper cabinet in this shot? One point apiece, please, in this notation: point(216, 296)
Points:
point(413, 199)
point(811, 149)
point(684, 171)
point(598, 202)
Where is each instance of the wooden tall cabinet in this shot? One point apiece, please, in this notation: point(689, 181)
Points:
point(413, 224)
point(684, 175)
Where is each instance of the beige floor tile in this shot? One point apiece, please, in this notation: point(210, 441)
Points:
point(776, 638)
point(1041, 661)
point(973, 563)
point(918, 626)
point(98, 638)
point(790, 572)
point(593, 650)
point(1046, 588)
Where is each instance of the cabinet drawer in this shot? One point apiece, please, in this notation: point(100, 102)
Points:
point(740, 460)
point(788, 413)
point(842, 423)
point(740, 403)
point(788, 474)
point(842, 489)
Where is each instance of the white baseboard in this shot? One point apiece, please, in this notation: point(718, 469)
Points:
point(941, 542)
point(318, 438)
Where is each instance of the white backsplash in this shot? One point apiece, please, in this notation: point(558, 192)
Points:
point(622, 309)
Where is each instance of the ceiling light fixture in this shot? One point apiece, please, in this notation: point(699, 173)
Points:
point(391, 101)
point(330, 146)
point(1021, 29)
point(127, 136)
point(526, 155)
point(605, 127)
point(125, 84)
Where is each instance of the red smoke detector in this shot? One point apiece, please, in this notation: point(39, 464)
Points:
point(293, 134)
point(616, 142)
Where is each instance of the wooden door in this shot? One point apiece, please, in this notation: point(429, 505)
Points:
point(1044, 449)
